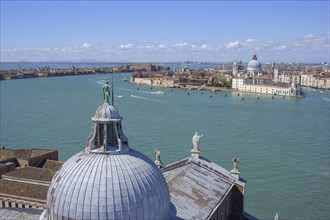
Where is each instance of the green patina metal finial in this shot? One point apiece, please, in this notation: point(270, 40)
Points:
point(106, 91)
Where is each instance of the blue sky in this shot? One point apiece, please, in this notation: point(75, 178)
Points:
point(155, 31)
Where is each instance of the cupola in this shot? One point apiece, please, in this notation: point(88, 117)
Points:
point(107, 134)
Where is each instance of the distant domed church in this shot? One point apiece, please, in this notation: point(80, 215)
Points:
point(254, 67)
point(111, 180)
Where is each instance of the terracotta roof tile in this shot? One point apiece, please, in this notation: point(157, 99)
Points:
point(26, 190)
point(22, 153)
point(52, 164)
point(32, 173)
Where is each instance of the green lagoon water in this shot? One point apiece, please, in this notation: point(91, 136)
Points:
point(283, 143)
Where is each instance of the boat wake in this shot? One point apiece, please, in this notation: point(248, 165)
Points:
point(101, 82)
point(145, 92)
point(326, 99)
point(139, 97)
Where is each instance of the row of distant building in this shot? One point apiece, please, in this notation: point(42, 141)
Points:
point(277, 81)
point(283, 80)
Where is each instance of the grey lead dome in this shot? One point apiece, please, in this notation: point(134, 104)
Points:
point(108, 180)
point(254, 65)
point(100, 186)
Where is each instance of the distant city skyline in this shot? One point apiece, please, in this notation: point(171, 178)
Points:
point(165, 31)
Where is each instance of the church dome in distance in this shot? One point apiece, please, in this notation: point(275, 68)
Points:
point(254, 64)
point(108, 180)
point(254, 67)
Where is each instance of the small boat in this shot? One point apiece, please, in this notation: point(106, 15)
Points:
point(159, 93)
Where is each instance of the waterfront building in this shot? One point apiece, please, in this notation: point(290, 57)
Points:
point(238, 83)
point(292, 89)
point(315, 81)
point(265, 86)
point(255, 81)
point(111, 180)
point(287, 77)
point(159, 82)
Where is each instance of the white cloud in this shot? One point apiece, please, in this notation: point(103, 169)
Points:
point(126, 46)
point(309, 36)
point(205, 46)
point(251, 40)
point(153, 46)
point(86, 45)
point(235, 44)
point(310, 45)
point(191, 46)
point(281, 47)
point(181, 44)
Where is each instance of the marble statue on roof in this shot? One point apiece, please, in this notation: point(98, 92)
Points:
point(236, 162)
point(195, 140)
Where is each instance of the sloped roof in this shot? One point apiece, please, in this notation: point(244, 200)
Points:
point(29, 191)
point(31, 173)
point(22, 153)
point(197, 186)
point(52, 165)
point(20, 213)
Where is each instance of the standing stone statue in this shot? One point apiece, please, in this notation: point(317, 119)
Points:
point(195, 140)
point(236, 162)
point(235, 171)
point(158, 162)
point(277, 216)
point(106, 91)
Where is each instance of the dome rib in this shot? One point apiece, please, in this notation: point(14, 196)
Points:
point(68, 196)
point(132, 213)
point(62, 199)
point(113, 189)
point(89, 171)
point(77, 187)
point(101, 200)
point(152, 180)
point(126, 195)
point(85, 170)
point(137, 188)
point(95, 195)
point(118, 188)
